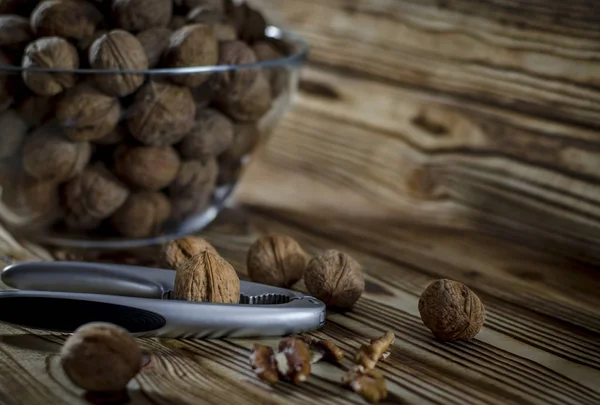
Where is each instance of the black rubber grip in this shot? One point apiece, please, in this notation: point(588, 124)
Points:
point(66, 315)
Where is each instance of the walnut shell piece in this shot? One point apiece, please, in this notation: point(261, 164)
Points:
point(262, 361)
point(451, 310)
point(140, 15)
point(118, 50)
point(192, 45)
point(175, 254)
point(369, 355)
point(335, 278)
point(293, 360)
point(276, 260)
point(207, 277)
point(14, 129)
point(15, 31)
point(142, 215)
point(49, 156)
point(211, 135)
point(101, 357)
point(92, 197)
point(147, 167)
point(155, 41)
point(68, 19)
point(161, 114)
point(50, 53)
point(87, 114)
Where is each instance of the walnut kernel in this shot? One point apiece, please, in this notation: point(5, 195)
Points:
point(50, 53)
point(370, 384)
point(323, 349)
point(207, 277)
point(101, 357)
point(276, 260)
point(147, 167)
point(87, 114)
point(262, 360)
point(451, 310)
point(293, 360)
point(118, 50)
point(335, 278)
point(369, 355)
point(161, 114)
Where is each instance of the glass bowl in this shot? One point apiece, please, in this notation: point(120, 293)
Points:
point(75, 171)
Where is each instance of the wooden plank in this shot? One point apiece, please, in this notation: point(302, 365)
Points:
point(526, 354)
point(407, 156)
point(542, 58)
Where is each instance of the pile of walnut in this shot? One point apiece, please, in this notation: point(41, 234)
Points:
point(295, 356)
point(124, 154)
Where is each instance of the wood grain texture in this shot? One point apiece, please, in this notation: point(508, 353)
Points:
point(538, 57)
point(540, 343)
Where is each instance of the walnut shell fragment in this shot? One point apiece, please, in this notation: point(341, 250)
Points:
point(13, 132)
point(154, 41)
point(50, 53)
point(147, 167)
point(451, 310)
point(139, 15)
point(175, 254)
point(68, 19)
point(211, 135)
point(118, 50)
point(276, 260)
point(369, 355)
point(192, 45)
point(293, 360)
point(161, 114)
point(207, 277)
point(49, 156)
point(101, 357)
point(335, 278)
point(262, 361)
point(369, 384)
point(87, 114)
point(91, 197)
point(142, 215)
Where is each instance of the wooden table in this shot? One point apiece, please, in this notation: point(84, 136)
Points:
point(449, 139)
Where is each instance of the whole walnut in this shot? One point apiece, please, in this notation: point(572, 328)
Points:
point(68, 19)
point(278, 77)
point(140, 15)
point(54, 53)
point(155, 41)
point(234, 53)
point(101, 357)
point(192, 45)
point(175, 253)
point(91, 197)
point(184, 207)
point(6, 95)
point(161, 114)
point(118, 50)
point(49, 156)
point(451, 310)
point(13, 132)
point(87, 114)
point(249, 23)
point(15, 31)
point(203, 94)
point(142, 215)
point(245, 138)
point(211, 135)
point(207, 277)
point(206, 12)
point(195, 180)
point(36, 110)
point(114, 137)
point(247, 104)
point(225, 32)
point(276, 260)
point(147, 167)
point(335, 278)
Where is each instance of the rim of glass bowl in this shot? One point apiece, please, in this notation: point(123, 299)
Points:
point(300, 46)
